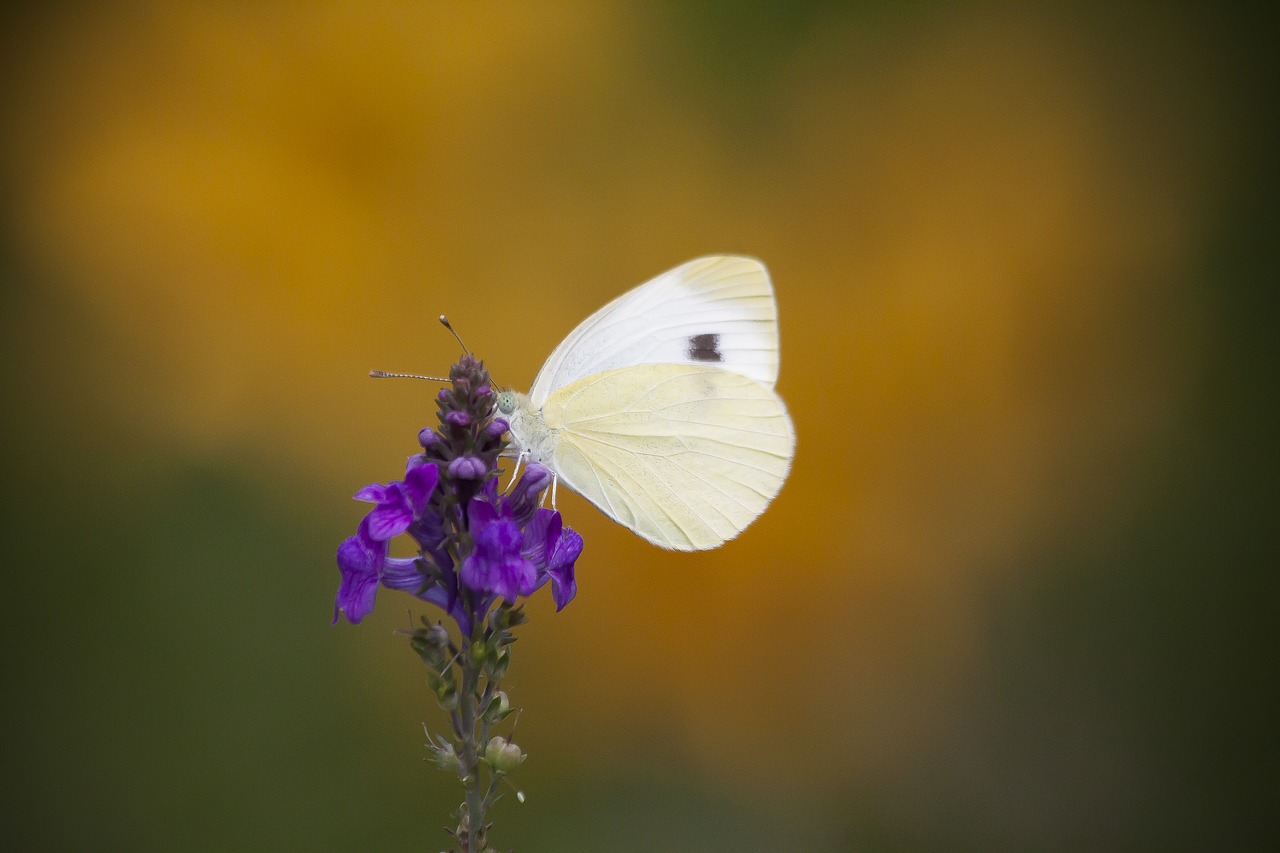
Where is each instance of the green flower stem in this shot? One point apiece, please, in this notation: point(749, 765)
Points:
point(470, 739)
point(466, 679)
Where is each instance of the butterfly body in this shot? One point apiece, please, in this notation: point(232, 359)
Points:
point(660, 407)
point(530, 434)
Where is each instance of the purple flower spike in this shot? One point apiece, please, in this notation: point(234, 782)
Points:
point(479, 553)
point(475, 545)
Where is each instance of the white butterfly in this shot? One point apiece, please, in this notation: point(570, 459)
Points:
point(660, 410)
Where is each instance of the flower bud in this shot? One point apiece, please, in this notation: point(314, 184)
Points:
point(432, 644)
point(496, 667)
point(428, 437)
point(437, 635)
point(505, 616)
point(499, 708)
point(447, 695)
point(467, 468)
point(502, 755)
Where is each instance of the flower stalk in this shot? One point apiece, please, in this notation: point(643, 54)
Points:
point(480, 553)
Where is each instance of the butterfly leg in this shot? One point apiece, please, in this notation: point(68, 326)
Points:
point(516, 471)
point(555, 481)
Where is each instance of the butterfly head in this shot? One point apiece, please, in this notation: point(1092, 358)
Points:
point(530, 437)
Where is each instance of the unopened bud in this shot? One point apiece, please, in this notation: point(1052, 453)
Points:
point(496, 668)
point(499, 708)
point(437, 635)
point(447, 696)
point(504, 617)
point(431, 643)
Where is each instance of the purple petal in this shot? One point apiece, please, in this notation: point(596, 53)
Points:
point(508, 578)
point(496, 427)
point(564, 586)
point(402, 573)
point(524, 496)
point(479, 513)
point(457, 418)
point(495, 563)
point(372, 493)
point(393, 514)
point(419, 482)
point(428, 530)
point(436, 595)
point(361, 554)
point(536, 478)
point(355, 599)
point(540, 535)
point(359, 561)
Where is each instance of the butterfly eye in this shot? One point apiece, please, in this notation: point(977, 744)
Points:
point(506, 402)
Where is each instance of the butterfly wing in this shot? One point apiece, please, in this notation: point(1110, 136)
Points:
point(686, 455)
point(716, 310)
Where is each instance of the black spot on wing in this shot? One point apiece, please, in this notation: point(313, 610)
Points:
point(704, 347)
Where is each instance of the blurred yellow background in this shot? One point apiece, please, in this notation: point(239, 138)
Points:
point(1011, 597)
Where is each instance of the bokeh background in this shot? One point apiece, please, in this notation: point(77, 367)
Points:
point(1015, 594)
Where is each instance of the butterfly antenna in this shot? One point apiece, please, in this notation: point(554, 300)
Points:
point(444, 321)
point(382, 374)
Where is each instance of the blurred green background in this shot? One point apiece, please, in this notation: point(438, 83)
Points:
point(1015, 595)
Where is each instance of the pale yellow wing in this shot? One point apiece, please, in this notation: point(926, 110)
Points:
point(685, 455)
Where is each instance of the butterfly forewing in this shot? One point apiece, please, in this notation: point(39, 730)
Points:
point(716, 311)
point(687, 455)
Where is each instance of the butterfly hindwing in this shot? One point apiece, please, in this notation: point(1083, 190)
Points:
point(716, 311)
point(686, 455)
